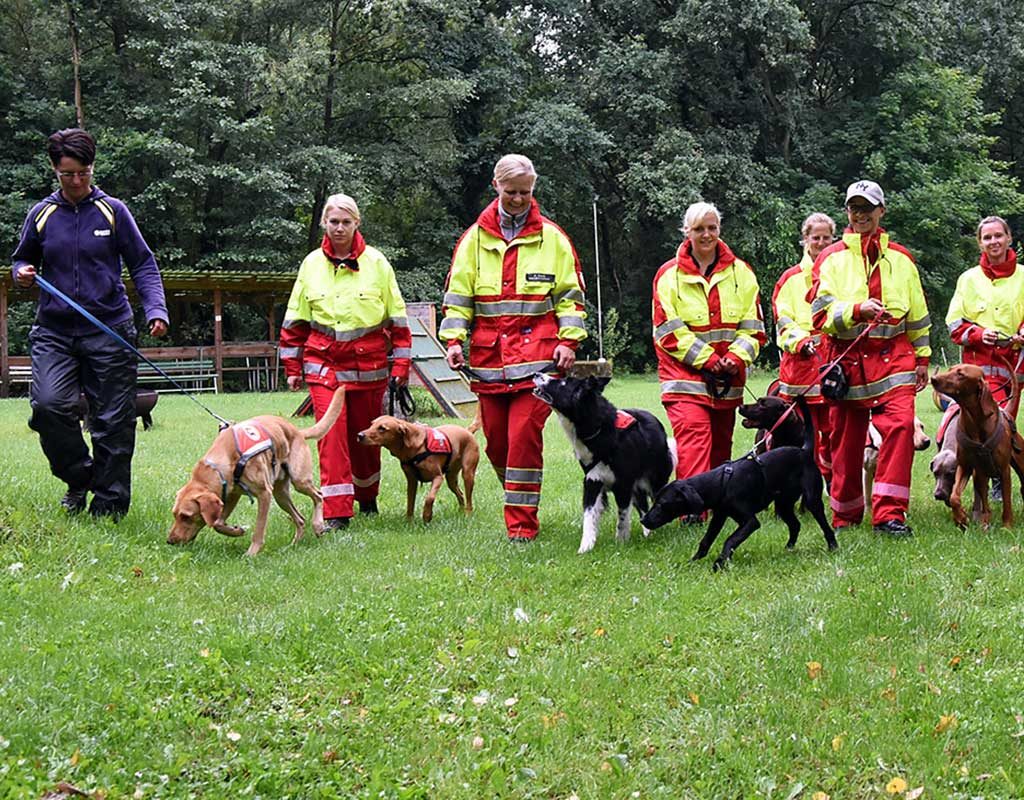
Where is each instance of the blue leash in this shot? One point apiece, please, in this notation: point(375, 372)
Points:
point(49, 287)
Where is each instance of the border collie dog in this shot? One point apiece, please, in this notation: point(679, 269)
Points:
point(622, 452)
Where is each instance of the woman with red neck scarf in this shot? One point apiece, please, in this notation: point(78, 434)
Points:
point(345, 321)
point(515, 292)
point(708, 329)
point(986, 314)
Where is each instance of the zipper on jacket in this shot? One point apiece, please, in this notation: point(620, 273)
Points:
point(75, 260)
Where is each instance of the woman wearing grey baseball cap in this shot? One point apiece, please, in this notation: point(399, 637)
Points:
point(866, 297)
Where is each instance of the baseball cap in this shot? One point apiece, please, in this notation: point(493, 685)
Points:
point(869, 190)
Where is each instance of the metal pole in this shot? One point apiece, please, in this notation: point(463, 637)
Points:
point(597, 269)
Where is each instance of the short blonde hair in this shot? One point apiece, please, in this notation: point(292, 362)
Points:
point(343, 202)
point(817, 218)
point(512, 166)
point(1000, 220)
point(696, 212)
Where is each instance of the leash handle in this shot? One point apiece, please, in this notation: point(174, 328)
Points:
point(53, 290)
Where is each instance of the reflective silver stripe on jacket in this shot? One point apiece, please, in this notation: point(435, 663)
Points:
point(289, 352)
point(291, 322)
point(821, 302)
point(746, 346)
point(570, 322)
point(346, 336)
point(399, 322)
point(571, 294)
point(881, 386)
point(918, 324)
point(513, 373)
point(457, 300)
point(750, 325)
point(514, 307)
point(667, 327)
point(792, 389)
point(360, 376)
point(454, 324)
point(401, 352)
point(697, 388)
point(337, 490)
point(695, 350)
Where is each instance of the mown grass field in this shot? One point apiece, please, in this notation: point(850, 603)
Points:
point(396, 659)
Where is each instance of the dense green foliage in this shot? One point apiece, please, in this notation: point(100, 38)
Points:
point(223, 123)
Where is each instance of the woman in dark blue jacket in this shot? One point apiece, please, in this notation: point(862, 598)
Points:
point(78, 238)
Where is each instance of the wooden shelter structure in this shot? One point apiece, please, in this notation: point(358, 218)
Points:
point(258, 359)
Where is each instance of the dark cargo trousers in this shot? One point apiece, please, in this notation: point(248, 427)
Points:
point(105, 371)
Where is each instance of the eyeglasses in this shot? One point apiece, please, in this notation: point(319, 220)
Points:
point(67, 176)
point(860, 209)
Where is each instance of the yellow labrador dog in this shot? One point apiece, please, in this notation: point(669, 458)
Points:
point(261, 457)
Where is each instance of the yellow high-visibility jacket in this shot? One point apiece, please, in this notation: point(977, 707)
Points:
point(516, 301)
point(697, 320)
point(994, 301)
point(885, 359)
point(344, 318)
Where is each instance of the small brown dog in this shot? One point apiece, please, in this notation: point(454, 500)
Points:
point(262, 457)
point(427, 454)
point(987, 445)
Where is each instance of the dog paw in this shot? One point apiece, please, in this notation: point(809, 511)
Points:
point(645, 531)
point(585, 547)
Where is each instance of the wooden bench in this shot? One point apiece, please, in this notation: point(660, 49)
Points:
point(197, 375)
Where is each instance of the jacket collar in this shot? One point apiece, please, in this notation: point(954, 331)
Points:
point(1004, 270)
point(490, 222)
point(58, 199)
point(358, 248)
point(685, 261)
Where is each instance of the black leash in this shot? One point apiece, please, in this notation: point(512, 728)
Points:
point(49, 287)
point(399, 394)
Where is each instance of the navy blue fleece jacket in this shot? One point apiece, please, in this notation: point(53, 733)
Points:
point(80, 252)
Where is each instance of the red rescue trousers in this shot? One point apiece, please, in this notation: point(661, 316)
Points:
point(348, 471)
point(890, 497)
point(513, 424)
point(703, 435)
point(821, 416)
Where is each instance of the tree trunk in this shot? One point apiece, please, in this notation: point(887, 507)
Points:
point(76, 62)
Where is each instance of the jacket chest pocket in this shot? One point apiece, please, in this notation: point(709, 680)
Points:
point(537, 282)
point(318, 302)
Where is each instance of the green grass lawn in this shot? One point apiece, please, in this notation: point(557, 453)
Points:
point(397, 659)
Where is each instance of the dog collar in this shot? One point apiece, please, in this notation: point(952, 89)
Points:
point(223, 481)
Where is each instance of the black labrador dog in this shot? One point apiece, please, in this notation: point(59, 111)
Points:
point(763, 414)
point(743, 488)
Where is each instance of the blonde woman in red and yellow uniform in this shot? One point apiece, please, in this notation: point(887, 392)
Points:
point(798, 340)
point(708, 329)
point(345, 319)
point(516, 292)
point(986, 314)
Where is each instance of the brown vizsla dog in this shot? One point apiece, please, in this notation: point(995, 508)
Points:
point(987, 443)
point(261, 456)
point(428, 454)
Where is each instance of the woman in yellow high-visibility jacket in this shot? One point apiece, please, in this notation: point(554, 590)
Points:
point(516, 292)
point(986, 314)
point(345, 320)
point(708, 329)
point(799, 341)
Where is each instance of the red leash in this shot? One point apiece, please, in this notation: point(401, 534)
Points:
point(822, 371)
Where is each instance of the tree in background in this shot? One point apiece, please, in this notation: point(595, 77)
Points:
point(224, 123)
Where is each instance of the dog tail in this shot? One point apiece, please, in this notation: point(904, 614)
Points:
point(327, 421)
point(805, 412)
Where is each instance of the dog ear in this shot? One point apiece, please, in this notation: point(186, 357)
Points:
point(598, 382)
point(210, 506)
point(691, 499)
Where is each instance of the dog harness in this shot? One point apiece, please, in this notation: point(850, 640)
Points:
point(251, 439)
point(623, 420)
point(983, 452)
point(437, 445)
point(951, 412)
